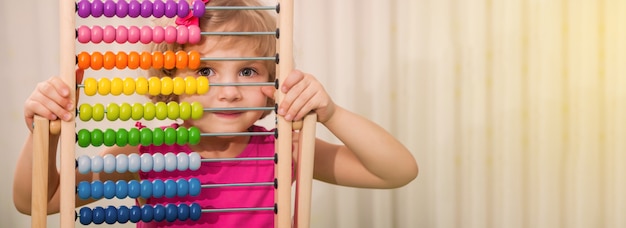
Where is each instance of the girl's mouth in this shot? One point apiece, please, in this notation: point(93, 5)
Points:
point(229, 115)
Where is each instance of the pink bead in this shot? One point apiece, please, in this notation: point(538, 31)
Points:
point(194, 34)
point(170, 34)
point(134, 34)
point(146, 35)
point(109, 34)
point(84, 34)
point(183, 34)
point(122, 34)
point(158, 34)
point(96, 34)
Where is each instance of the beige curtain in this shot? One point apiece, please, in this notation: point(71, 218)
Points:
point(512, 107)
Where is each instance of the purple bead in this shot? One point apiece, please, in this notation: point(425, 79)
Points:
point(198, 8)
point(135, 214)
point(97, 7)
point(110, 215)
point(146, 9)
point(123, 214)
point(84, 8)
point(122, 8)
point(109, 8)
point(183, 212)
point(134, 8)
point(171, 212)
point(147, 213)
point(85, 216)
point(170, 8)
point(159, 212)
point(183, 8)
point(98, 215)
point(158, 8)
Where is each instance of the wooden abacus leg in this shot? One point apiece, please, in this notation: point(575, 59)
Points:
point(304, 172)
point(39, 198)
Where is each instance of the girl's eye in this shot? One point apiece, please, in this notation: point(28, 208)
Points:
point(205, 71)
point(248, 72)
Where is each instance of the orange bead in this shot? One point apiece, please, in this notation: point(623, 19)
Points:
point(133, 60)
point(194, 60)
point(146, 60)
point(181, 60)
point(83, 60)
point(122, 60)
point(109, 60)
point(96, 60)
point(169, 60)
point(157, 60)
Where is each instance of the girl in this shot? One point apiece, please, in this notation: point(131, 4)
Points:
point(368, 158)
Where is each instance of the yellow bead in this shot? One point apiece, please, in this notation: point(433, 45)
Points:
point(137, 111)
point(196, 110)
point(160, 110)
point(98, 112)
point(190, 85)
point(104, 86)
point(91, 86)
point(173, 110)
point(179, 85)
point(117, 86)
point(167, 85)
point(129, 86)
point(184, 110)
point(154, 86)
point(203, 85)
point(141, 86)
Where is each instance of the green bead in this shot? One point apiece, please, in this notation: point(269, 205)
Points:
point(146, 136)
point(194, 135)
point(172, 110)
point(134, 137)
point(149, 111)
point(109, 137)
point(185, 110)
point(158, 136)
point(196, 110)
point(97, 137)
point(98, 112)
point(170, 136)
point(137, 112)
point(84, 138)
point(161, 110)
point(122, 137)
point(125, 111)
point(84, 112)
point(182, 136)
point(113, 112)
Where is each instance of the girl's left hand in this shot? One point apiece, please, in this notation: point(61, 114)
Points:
point(303, 94)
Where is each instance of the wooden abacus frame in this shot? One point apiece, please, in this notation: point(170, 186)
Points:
point(283, 168)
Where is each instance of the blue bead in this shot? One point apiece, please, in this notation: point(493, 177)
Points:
point(97, 189)
point(121, 190)
point(123, 214)
point(159, 212)
point(158, 188)
point(170, 162)
point(170, 188)
point(85, 215)
point(135, 214)
point(84, 190)
point(146, 159)
point(84, 164)
point(158, 164)
point(183, 187)
point(121, 160)
point(195, 161)
point(109, 163)
point(110, 215)
point(195, 211)
point(134, 189)
point(97, 164)
point(194, 187)
point(134, 163)
point(183, 212)
point(98, 215)
point(183, 161)
point(171, 212)
point(147, 213)
point(109, 189)
point(146, 189)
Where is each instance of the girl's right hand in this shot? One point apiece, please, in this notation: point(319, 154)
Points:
point(51, 100)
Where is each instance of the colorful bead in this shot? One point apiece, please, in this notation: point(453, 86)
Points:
point(104, 86)
point(84, 190)
point(123, 214)
point(137, 112)
point(179, 85)
point(146, 60)
point(125, 111)
point(182, 37)
point(146, 9)
point(134, 137)
point(191, 85)
point(121, 60)
point(97, 137)
point(182, 160)
point(134, 8)
point(170, 34)
point(121, 137)
point(184, 110)
point(194, 34)
point(161, 110)
point(109, 34)
point(194, 135)
point(85, 216)
point(122, 9)
point(109, 163)
point(134, 34)
point(167, 85)
point(194, 60)
point(121, 33)
point(96, 34)
point(109, 137)
point(183, 8)
point(135, 211)
point(146, 136)
point(158, 8)
point(146, 189)
point(98, 215)
point(195, 161)
point(83, 8)
point(195, 211)
point(181, 58)
point(134, 189)
point(147, 213)
point(121, 163)
point(169, 60)
point(159, 212)
point(149, 111)
point(84, 164)
point(196, 110)
point(170, 136)
point(133, 60)
point(113, 111)
point(194, 187)
point(109, 189)
point(84, 138)
point(141, 86)
point(183, 212)
point(121, 189)
point(97, 7)
point(158, 162)
point(172, 110)
point(129, 86)
point(98, 112)
point(158, 136)
point(117, 86)
point(182, 187)
point(134, 163)
point(146, 35)
point(158, 34)
point(84, 112)
point(84, 34)
point(157, 60)
point(109, 60)
point(146, 163)
point(170, 161)
point(170, 8)
point(158, 188)
point(96, 60)
point(182, 136)
point(198, 8)
point(170, 188)
point(171, 211)
point(109, 8)
point(84, 60)
point(97, 189)
point(97, 164)
point(154, 86)
point(203, 85)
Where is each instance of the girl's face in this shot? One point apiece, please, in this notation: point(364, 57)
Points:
point(228, 96)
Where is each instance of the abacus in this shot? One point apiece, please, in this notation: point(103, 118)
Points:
point(70, 137)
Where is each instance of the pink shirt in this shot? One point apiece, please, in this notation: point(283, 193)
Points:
point(223, 197)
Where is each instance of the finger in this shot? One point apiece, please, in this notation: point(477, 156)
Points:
point(294, 93)
point(292, 79)
point(56, 91)
point(302, 104)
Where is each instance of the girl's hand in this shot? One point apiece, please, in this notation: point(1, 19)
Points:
point(303, 94)
point(51, 100)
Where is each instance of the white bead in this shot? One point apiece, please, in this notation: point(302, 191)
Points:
point(170, 162)
point(159, 162)
point(109, 163)
point(97, 163)
point(183, 161)
point(194, 161)
point(121, 164)
point(146, 163)
point(134, 163)
point(84, 164)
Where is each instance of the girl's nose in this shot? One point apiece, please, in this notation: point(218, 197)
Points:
point(228, 93)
